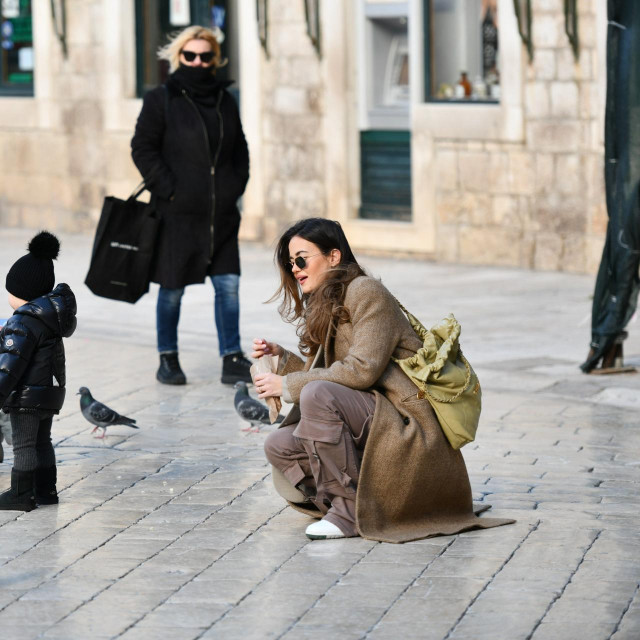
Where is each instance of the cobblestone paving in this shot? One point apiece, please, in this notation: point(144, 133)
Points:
point(175, 531)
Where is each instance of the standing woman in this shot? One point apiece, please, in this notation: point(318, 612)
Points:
point(191, 151)
point(359, 449)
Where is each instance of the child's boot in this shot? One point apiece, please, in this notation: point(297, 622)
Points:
point(20, 496)
point(45, 485)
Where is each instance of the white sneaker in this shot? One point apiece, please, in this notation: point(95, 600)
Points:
point(323, 530)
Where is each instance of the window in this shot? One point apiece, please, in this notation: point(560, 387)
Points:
point(462, 62)
point(16, 54)
point(385, 137)
point(156, 20)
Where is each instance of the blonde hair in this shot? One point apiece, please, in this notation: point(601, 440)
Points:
point(171, 51)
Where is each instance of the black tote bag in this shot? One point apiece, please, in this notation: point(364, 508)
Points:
point(123, 249)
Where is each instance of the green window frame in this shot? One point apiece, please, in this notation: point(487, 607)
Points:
point(16, 48)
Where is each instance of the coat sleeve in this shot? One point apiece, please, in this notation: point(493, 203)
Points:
point(17, 345)
point(240, 158)
point(376, 332)
point(146, 145)
point(289, 362)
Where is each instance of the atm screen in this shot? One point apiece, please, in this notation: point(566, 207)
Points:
point(396, 77)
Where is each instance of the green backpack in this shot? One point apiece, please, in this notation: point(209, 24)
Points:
point(445, 378)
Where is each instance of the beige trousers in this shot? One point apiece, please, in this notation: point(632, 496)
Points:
point(322, 453)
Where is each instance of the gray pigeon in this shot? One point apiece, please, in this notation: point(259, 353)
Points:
point(99, 414)
point(253, 411)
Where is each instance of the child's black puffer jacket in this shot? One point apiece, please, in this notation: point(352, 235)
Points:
point(32, 353)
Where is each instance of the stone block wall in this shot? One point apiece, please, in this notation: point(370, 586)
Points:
point(292, 116)
point(541, 203)
point(536, 203)
point(55, 171)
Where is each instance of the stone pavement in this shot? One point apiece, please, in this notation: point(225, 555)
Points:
point(175, 531)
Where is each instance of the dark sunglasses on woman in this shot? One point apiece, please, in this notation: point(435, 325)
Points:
point(300, 261)
point(205, 57)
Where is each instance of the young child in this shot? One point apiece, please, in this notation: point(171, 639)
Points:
point(32, 371)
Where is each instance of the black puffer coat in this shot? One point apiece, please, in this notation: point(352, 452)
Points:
point(32, 353)
point(178, 142)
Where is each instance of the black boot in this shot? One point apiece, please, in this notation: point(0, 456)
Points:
point(20, 496)
point(235, 368)
point(45, 485)
point(169, 371)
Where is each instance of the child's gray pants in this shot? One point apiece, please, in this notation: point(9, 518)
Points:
point(32, 446)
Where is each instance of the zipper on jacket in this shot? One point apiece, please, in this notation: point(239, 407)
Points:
point(213, 166)
point(212, 162)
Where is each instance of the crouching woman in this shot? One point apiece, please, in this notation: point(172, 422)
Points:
point(359, 449)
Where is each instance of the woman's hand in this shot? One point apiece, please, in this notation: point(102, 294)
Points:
point(268, 385)
point(263, 348)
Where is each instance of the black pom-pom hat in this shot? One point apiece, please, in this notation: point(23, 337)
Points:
point(32, 275)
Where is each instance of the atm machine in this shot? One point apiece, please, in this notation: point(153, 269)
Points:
point(385, 139)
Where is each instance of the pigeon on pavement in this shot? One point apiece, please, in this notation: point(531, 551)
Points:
point(99, 414)
point(253, 411)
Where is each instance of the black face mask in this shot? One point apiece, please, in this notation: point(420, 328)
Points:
point(197, 73)
point(198, 82)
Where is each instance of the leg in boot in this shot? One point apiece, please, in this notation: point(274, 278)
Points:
point(24, 427)
point(46, 474)
point(19, 497)
point(170, 371)
point(45, 485)
point(167, 318)
point(236, 368)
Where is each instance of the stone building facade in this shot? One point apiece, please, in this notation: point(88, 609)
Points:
point(67, 146)
point(518, 182)
point(537, 201)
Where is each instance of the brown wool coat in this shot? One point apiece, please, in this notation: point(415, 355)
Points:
point(412, 484)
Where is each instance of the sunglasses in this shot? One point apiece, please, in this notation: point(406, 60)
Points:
point(300, 261)
point(205, 57)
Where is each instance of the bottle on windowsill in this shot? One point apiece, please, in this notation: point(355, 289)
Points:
point(465, 84)
point(479, 89)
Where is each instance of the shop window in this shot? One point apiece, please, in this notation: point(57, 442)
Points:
point(16, 52)
point(461, 50)
point(157, 20)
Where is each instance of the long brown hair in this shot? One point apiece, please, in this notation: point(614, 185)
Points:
point(322, 310)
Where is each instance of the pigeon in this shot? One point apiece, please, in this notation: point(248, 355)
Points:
point(253, 411)
point(99, 414)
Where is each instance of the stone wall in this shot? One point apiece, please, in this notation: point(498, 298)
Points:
point(536, 203)
point(539, 204)
point(292, 121)
point(53, 174)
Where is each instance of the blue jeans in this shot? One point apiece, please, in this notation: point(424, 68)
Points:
point(226, 311)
